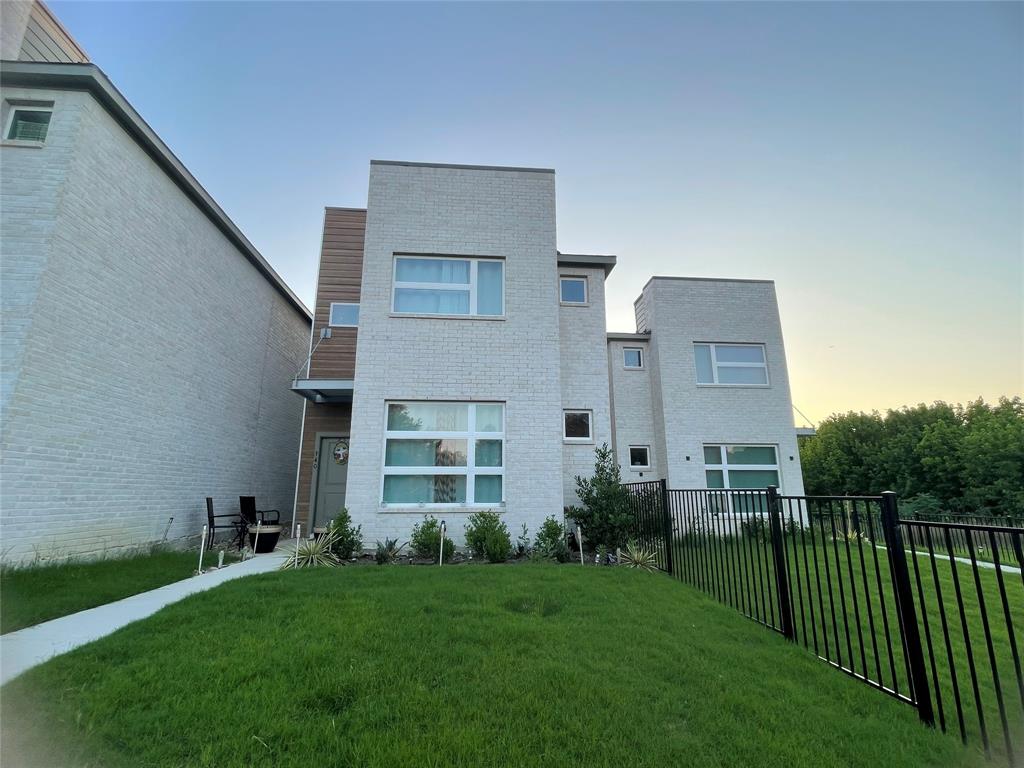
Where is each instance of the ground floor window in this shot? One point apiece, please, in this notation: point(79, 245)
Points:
point(740, 466)
point(639, 457)
point(444, 453)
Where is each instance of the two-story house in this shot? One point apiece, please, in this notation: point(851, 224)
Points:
point(460, 362)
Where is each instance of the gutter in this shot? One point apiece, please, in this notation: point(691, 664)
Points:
point(90, 78)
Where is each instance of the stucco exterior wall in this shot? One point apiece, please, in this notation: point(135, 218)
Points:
point(471, 212)
point(584, 373)
point(684, 311)
point(147, 361)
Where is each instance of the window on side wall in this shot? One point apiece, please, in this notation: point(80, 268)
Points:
point(344, 315)
point(740, 467)
point(444, 454)
point(434, 285)
point(737, 365)
point(28, 123)
point(572, 290)
point(639, 457)
point(576, 426)
point(632, 358)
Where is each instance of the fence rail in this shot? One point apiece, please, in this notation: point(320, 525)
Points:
point(927, 611)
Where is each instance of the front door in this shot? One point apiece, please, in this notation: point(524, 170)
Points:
point(331, 472)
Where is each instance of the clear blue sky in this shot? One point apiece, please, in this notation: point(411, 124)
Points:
point(867, 157)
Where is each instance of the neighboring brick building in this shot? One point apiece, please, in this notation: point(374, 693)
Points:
point(468, 367)
point(147, 347)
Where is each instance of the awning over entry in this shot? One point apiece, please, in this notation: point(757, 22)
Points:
point(324, 390)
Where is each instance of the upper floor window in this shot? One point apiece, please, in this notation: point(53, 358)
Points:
point(344, 315)
point(572, 290)
point(434, 285)
point(28, 124)
point(576, 426)
point(731, 364)
point(633, 358)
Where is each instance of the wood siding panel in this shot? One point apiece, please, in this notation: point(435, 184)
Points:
point(335, 419)
point(341, 274)
point(46, 40)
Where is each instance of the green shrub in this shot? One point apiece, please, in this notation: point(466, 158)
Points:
point(523, 543)
point(638, 556)
point(347, 538)
point(426, 540)
point(313, 553)
point(488, 537)
point(550, 543)
point(605, 517)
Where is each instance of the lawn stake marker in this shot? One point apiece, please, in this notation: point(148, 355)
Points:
point(579, 537)
point(202, 548)
point(444, 529)
point(298, 533)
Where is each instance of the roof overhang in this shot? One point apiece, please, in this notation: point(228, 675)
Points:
point(806, 432)
point(324, 391)
point(89, 77)
point(587, 261)
point(622, 336)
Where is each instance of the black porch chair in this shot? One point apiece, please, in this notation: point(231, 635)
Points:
point(251, 515)
point(212, 524)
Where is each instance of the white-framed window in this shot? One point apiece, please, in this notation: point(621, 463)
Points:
point(741, 466)
point(573, 290)
point(443, 454)
point(28, 123)
point(632, 358)
point(735, 365)
point(444, 285)
point(577, 426)
point(344, 315)
point(639, 457)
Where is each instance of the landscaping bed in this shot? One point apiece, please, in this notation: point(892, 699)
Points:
point(479, 665)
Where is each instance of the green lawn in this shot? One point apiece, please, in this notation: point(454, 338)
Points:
point(35, 594)
point(836, 608)
point(460, 666)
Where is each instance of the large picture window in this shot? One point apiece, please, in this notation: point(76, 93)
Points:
point(731, 364)
point(444, 454)
point(737, 467)
point(434, 285)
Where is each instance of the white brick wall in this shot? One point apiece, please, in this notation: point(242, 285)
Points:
point(464, 212)
point(682, 311)
point(584, 371)
point(633, 412)
point(146, 361)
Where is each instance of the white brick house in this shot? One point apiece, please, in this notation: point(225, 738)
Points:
point(146, 345)
point(468, 365)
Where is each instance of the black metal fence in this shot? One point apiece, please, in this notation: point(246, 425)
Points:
point(926, 611)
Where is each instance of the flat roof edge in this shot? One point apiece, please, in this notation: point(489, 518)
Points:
point(89, 77)
point(588, 260)
point(343, 208)
point(625, 336)
point(461, 166)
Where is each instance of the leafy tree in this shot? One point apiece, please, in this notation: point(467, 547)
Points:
point(955, 458)
point(605, 517)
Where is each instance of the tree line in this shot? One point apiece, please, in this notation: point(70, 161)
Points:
point(965, 459)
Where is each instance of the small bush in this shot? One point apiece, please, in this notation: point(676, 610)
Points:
point(605, 515)
point(426, 540)
point(387, 551)
point(487, 536)
point(347, 538)
point(523, 543)
point(639, 556)
point(313, 553)
point(550, 543)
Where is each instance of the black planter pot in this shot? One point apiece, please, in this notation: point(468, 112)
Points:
point(269, 534)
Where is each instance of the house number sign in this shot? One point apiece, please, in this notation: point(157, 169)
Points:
point(341, 452)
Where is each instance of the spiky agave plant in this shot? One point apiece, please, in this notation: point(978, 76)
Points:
point(637, 556)
point(388, 551)
point(313, 553)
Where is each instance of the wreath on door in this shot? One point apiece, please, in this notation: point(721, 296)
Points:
point(340, 452)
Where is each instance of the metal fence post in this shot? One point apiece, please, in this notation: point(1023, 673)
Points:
point(779, 558)
point(667, 524)
point(905, 607)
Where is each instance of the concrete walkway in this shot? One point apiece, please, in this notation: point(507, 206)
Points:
point(24, 649)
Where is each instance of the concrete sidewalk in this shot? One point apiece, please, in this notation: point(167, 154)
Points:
point(24, 649)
